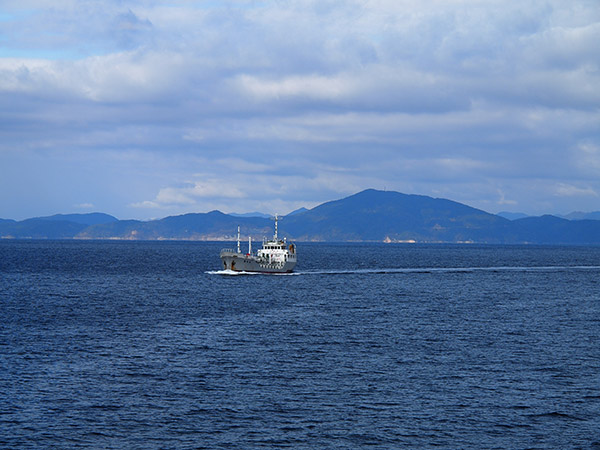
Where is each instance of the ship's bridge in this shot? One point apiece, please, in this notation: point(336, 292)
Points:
point(272, 246)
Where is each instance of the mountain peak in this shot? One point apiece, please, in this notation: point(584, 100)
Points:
point(94, 218)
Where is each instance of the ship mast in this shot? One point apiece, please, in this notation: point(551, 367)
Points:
point(275, 237)
point(238, 240)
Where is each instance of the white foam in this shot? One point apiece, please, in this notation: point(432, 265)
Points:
point(229, 272)
point(410, 270)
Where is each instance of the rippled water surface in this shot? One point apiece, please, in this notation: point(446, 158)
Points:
point(148, 345)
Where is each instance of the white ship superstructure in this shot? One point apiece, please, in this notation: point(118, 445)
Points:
point(275, 256)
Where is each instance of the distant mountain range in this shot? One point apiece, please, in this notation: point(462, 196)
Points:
point(512, 215)
point(251, 214)
point(263, 215)
point(576, 215)
point(371, 215)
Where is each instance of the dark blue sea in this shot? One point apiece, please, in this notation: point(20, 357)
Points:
point(146, 345)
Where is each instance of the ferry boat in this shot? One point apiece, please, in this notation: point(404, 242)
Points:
point(275, 256)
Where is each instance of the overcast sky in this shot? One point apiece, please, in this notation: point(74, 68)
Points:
point(144, 109)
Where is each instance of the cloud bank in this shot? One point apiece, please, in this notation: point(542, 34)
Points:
point(145, 109)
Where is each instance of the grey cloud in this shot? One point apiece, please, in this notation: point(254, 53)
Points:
point(423, 97)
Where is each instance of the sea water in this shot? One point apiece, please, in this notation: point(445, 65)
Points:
point(125, 345)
